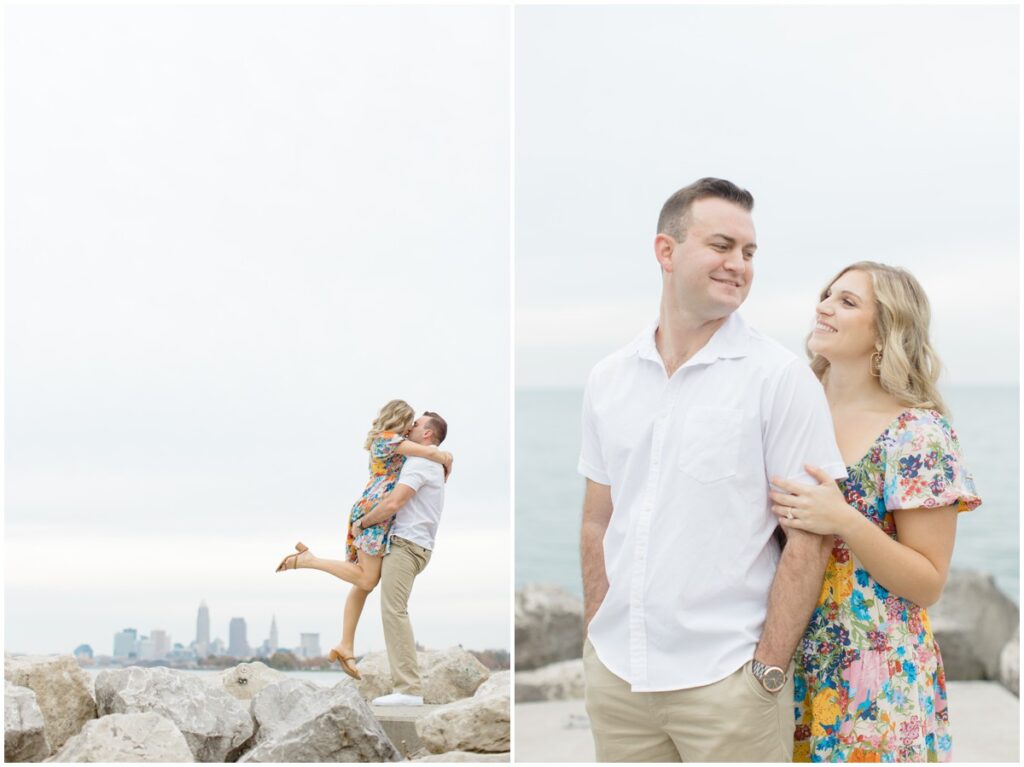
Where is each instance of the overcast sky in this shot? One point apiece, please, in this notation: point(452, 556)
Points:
point(888, 133)
point(232, 235)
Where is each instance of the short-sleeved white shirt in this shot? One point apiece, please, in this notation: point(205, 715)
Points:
point(689, 551)
point(419, 517)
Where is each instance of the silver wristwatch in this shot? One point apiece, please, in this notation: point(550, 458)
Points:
point(772, 678)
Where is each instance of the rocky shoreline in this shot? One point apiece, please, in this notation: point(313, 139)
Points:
point(248, 713)
point(975, 625)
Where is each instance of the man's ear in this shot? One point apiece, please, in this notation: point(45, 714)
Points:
point(664, 246)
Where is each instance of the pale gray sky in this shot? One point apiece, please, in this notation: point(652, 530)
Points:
point(233, 233)
point(888, 133)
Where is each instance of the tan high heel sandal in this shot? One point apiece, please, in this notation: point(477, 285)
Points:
point(348, 668)
point(300, 548)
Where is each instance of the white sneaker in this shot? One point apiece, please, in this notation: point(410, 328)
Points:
point(398, 699)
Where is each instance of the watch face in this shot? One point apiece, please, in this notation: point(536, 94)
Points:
point(773, 680)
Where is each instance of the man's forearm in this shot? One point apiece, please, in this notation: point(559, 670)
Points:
point(595, 578)
point(794, 594)
point(382, 512)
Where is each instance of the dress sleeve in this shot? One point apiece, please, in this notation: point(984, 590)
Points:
point(385, 443)
point(925, 469)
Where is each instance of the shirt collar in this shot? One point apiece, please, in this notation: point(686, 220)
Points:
point(730, 341)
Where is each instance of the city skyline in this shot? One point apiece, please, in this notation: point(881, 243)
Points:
point(130, 641)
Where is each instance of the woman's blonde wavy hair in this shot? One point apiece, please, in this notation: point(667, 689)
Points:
point(396, 416)
point(910, 367)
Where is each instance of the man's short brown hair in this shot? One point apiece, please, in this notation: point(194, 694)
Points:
point(672, 220)
point(437, 425)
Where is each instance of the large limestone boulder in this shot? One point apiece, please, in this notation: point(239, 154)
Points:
point(298, 721)
point(478, 724)
point(972, 622)
point(557, 681)
point(214, 723)
point(63, 692)
point(498, 682)
point(447, 675)
point(1009, 664)
point(146, 737)
point(24, 729)
point(246, 680)
point(549, 626)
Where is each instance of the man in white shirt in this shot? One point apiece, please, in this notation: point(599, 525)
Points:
point(692, 614)
point(416, 504)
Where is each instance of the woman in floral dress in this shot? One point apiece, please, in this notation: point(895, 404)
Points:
point(869, 684)
point(365, 548)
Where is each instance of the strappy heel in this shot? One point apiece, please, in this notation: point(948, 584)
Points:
point(300, 548)
point(348, 668)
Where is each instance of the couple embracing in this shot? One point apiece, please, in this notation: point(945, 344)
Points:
point(761, 536)
point(391, 534)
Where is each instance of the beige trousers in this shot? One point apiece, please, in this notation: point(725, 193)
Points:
point(732, 720)
point(401, 565)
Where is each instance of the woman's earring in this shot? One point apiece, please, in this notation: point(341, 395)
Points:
point(876, 363)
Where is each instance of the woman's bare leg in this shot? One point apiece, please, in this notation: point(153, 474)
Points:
point(365, 573)
point(353, 610)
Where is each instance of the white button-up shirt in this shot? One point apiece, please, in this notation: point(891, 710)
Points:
point(419, 517)
point(689, 551)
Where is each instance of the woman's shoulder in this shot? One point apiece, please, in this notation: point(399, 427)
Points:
point(920, 420)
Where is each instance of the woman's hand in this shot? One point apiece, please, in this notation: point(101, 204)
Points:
point(819, 509)
point(356, 526)
point(446, 460)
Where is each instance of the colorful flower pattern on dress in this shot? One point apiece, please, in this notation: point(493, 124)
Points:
point(869, 683)
point(385, 466)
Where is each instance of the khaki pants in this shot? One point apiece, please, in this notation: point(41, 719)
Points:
point(401, 565)
point(732, 720)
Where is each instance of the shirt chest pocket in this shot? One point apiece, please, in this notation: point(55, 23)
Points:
point(710, 444)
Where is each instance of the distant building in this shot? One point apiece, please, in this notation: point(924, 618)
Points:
point(83, 651)
point(309, 645)
point(126, 644)
point(238, 645)
point(203, 630)
point(147, 648)
point(273, 635)
point(217, 647)
point(161, 643)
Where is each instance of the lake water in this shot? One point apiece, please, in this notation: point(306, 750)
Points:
point(549, 492)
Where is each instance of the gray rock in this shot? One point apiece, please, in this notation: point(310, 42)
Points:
point(24, 729)
point(63, 692)
point(447, 675)
point(972, 623)
point(145, 737)
point(246, 680)
point(497, 683)
point(463, 756)
point(549, 626)
point(298, 721)
point(478, 724)
point(1009, 664)
point(557, 681)
point(214, 723)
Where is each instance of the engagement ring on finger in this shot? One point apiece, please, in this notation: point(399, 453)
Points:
point(789, 513)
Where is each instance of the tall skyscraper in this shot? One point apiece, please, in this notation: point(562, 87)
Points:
point(126, 644)
point(161, 643)
point(310, 645)
point(238, 645)
point(203, 630)
point(273, 634)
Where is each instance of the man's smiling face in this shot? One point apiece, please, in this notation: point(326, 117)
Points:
point(712, 268)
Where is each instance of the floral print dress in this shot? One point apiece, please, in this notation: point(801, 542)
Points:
point(385, 466)
point(869, 684)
